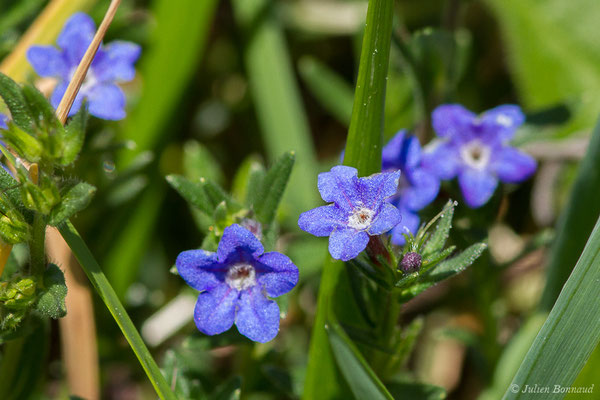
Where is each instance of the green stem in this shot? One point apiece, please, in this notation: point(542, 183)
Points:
point(37, 250)
point(108, 295)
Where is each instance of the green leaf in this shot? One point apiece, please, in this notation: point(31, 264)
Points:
point(442, 230)
point(216, 194)
point(573, 327)
point(193, 193)
point(74, 200)
point(575, 223)
point(246, 180)
point(363, 151)
point(23, 143)
point(358, 374)
point(51, 302)
point(199, 162)
point(41, 110)
point(330, 89)
point(74, 136)
point(109, 297)
point(365, 136)
point(12, 95)
point(272, 188)
point(283, 122)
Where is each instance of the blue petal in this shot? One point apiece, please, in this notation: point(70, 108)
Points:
point(345, 244)
point(116, 62)
point(238, 243)
point(502, 121)
point(339, 186)
point(47, 61)
point(200, 269)
point(76, 36)
point(514, 166)
point(3, 120)
point(59, 92)
point(410, 221)
point(322, 220)
point(392, 151)
point(257, 317)
point(106, 101)
point(452, 120)
point(387, 217)
point(477, 186)
point(376, 188)
point(425, 188)
point(442, 159)
point(280, 276)
point(215, 310)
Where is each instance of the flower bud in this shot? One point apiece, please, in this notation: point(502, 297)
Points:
point(411, 262)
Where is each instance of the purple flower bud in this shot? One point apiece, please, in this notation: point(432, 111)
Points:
point(411, 262)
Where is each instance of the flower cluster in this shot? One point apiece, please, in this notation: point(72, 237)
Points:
point(476, 150)
point(113, 63)
point(359, 210)
point(234, 284)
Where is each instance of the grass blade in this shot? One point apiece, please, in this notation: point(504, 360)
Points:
point(108, 295)
point(575, 223)
point(276, 96)
point(363, 151)
point(570, 333)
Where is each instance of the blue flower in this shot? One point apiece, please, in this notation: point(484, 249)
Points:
point(3, 120)
point(359, 210)
point(475, 148)
point(234, 283)
point(113, 63)
point(418, 185)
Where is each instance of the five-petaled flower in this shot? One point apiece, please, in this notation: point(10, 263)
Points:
point(234, 283)
point(418, 185)
point(476, 149)
point(113, 63)
point(359, 210)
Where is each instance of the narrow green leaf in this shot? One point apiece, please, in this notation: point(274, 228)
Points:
point(283, 122)
point(414, 390)
point(74, 200)
point(363, 151)
point(199, 162)
point(365, 136)
point(217, 194)
point(23, 143)
point(51, 302)
point(12, 95)
point(272, 188)
point(575, 223)
point(192, 192)
point(573, 327)
point(108, 295)
point(442, 230)
point(330, 89)
point(40, 109)
point(245, 180)
point(358, 374)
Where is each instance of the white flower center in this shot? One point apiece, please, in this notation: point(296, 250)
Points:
point(360, 219)
point(475, 154)
point(504, 120)
point(241, 276)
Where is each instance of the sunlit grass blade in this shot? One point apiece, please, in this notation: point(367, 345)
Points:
point(108, 295)
point(570, 333)
point(276, 96)
point(363, 151)
point(575, 223)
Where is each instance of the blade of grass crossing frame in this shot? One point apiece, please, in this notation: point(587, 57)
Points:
point(276, 96)
point(575, 223)
point(570, 333)
point(363, 151)
point(108, 295)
